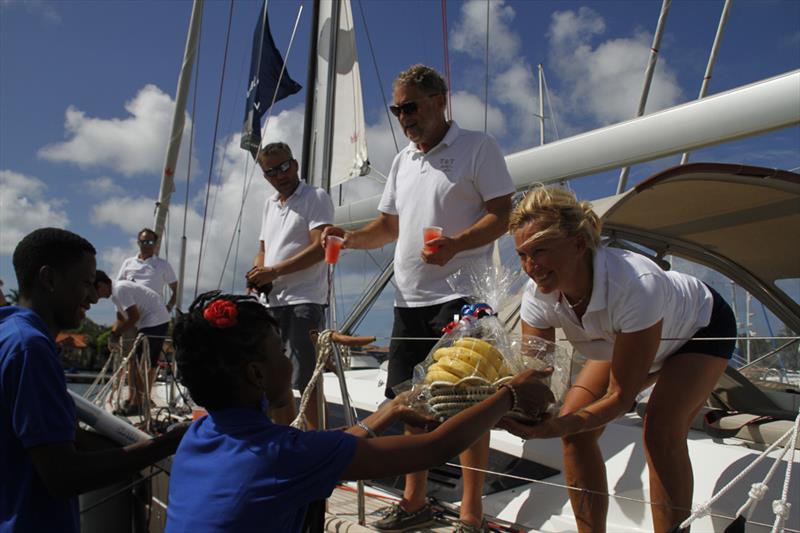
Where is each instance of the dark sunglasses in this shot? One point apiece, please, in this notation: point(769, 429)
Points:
point(408, 108)
point(283, 167)
point(147, 242)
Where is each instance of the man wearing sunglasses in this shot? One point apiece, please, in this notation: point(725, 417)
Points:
point(289, 257)
point(457, 180)
point(148, 269)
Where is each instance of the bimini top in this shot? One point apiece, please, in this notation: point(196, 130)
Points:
point(742, 221)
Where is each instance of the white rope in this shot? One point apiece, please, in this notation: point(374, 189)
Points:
point(324, 351)
point(782, 507)
point(759, 490)
point(702, 509)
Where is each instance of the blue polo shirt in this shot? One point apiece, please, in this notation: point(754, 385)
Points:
point(237, 471)
point(35, 409)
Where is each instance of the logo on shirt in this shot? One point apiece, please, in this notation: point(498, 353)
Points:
point(446, 163)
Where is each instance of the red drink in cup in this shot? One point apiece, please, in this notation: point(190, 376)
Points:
point(333, 245)
point(428, 234)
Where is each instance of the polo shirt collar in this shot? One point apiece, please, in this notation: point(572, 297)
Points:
point(298, 192)
point(449, 138)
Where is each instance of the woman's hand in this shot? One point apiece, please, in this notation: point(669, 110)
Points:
point(410, 416)
point(547, 429)
point(533, 396)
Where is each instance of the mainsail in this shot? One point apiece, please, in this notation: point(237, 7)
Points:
point(340, 105)
point(269, 82)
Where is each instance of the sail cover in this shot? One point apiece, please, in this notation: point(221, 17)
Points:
point(349, 148)
point(266, 66)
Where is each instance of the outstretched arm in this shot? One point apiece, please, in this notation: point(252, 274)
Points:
point(67, 471)
point(488, 228)
point(377, 233)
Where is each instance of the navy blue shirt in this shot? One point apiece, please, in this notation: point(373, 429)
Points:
point(35, 409)
point(237, 471)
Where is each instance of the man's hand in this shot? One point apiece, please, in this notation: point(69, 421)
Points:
point(260, 276)
point(337, 232)
point(439, 251)
point(410, 416)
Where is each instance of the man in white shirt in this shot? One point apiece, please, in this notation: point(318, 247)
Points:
point(148, 269)
point(457, 180)
point(290, 258)
point(142, 310)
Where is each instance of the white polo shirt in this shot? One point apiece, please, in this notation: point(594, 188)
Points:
point(152, 272)
point(285, 232)
point(446, 187)
point(630, 293)
point(152, 311)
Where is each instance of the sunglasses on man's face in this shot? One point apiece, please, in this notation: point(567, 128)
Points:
point(147, 242)
point(407, 108)
point(283, 167)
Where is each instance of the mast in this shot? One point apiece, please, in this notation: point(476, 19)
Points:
point(330, 97)
point(178, 119)
point(541, 104)
point(308, 117)
point(712, 58)
point(648, 78)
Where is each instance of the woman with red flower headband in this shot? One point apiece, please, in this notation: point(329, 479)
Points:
point(236, 470)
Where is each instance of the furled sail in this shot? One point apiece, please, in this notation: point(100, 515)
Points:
point(342, 105)
point(263, 89)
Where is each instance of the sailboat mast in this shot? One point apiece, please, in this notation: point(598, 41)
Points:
point(308, 119)
point(648, 78)
point(330, 97)
point(176, 133)
point(541, 104)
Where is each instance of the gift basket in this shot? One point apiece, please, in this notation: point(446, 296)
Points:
point(476, 355)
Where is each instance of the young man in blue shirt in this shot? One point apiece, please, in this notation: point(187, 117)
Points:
point(44, 457)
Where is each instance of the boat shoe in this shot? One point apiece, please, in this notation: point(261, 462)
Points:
point(466, 527)
point(398, 519)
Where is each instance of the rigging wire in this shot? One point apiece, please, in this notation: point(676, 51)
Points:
point(213, 146)
point(447, 62)
point(550, 105)
point(378, 74)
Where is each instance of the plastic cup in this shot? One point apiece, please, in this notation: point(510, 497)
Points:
point(428, 234)
point(333, 245)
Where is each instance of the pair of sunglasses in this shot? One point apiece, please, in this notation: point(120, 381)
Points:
point(407, 108)
point(283, 167)
point(148, 242)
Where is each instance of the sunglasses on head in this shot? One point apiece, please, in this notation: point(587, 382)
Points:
point(283, 167)
point(147, 242)
point(408, 108)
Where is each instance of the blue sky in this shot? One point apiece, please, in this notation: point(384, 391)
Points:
point(87, 89)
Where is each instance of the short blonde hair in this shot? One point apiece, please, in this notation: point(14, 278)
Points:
point(560, 212)
point(423, 77)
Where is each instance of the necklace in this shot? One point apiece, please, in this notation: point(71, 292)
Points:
point(576, 304)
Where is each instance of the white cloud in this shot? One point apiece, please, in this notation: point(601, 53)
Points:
point(469, 32)
point(605, 81)
point(132, 145)
point(102, 186)
point(468, 111)
point(24, 207)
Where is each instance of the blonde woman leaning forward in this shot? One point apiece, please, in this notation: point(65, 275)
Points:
point(615, 307)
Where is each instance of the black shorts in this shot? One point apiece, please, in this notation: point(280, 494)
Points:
point(722, 324)
point(427, 321)
point(155, 340)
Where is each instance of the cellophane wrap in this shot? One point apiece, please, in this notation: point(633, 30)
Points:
point(530, 352)
point(476, 354)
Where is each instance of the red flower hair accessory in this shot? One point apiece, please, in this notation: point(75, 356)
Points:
point(221, 314)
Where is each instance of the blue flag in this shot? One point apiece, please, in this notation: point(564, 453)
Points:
point(265, 70)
